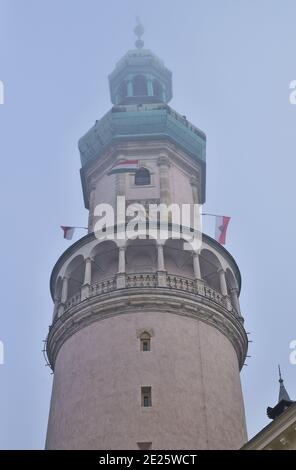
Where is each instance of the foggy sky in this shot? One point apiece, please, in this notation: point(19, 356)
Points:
point(232, 62)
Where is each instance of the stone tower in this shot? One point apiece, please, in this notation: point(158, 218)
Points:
point(147, 339)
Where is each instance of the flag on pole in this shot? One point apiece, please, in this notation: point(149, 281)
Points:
point(221, 227)
point(124, 166)
point(68, 232)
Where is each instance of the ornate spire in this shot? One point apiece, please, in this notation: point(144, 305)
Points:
point(139, 31)
point(283, 394)
point(284, 400)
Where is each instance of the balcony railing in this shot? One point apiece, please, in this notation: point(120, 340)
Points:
point(214, 295)
point(150, 280)
point(141, 280)
point(101, 287)
point(74, 300)
point(182, 283)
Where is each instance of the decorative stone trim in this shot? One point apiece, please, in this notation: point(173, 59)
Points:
point(150, 331)
point(140, 300)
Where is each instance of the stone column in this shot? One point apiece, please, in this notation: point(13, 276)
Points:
point(120, 276)
point(120, 181)
point(129, 87)
point(65, 289)
point(161, 272)
point(223, 285)
point(223, 288)
point(160, 258)
point(91, 208)
point(121, 259)
point(197, 274)
point(56, 307)
point(149, 87)
point(64, 296)
point(164, 179)
point(87, 279)
point(234, 300)
point(196, 266)
point(87, 272)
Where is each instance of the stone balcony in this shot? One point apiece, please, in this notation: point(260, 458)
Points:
point(149, 280)
point(96, 279)
point(139, 292)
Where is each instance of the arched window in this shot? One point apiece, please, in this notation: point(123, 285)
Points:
point(157, 89)
point(140, 86)
point(142, 177)
point(145, 339)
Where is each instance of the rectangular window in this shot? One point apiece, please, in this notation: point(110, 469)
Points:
point(145, 341)
point(146, 399)
point(146, 345)
point(145, 445)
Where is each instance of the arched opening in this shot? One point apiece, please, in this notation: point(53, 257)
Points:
point(157, 89)
point(57, 295)
point(58, 289)
point(230, 281)
point(75, 275)
point(232, 290)
point(209, 267)
point(141, 256)
point(177, 260)
point(142, 177)
point(140, 86)
point(104, 260)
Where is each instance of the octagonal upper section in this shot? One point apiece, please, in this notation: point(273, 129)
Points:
point(140, 77)
point(148, 121)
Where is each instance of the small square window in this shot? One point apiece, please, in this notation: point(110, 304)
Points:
point(146, 399)
point(145, 445)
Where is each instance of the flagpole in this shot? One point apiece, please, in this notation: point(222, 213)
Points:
point(72, 226)
point(214, 215)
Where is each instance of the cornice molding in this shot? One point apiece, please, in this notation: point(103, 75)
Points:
point(139, 300)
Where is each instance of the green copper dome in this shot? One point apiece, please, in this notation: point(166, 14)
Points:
point(140, 77)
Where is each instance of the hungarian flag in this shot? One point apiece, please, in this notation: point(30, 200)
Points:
point(221, 227)
point(68, 232)
point(124, 166)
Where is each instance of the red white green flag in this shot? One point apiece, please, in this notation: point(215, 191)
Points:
point(124, 166)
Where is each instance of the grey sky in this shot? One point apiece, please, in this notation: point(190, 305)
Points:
point(232, 62)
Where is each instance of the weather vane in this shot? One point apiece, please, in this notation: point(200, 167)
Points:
point(139, 31)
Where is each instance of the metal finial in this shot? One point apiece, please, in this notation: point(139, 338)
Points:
point(139, 31)
point(280, 375)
